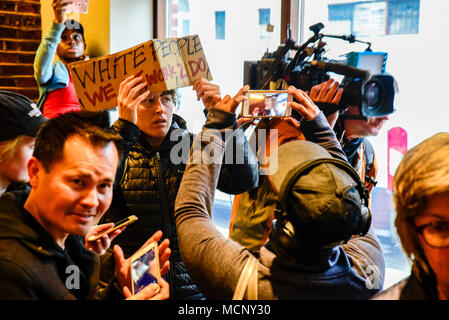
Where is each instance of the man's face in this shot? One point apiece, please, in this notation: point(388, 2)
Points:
point(76, 191)
point(364, 128)
point(72, 46)
point(154, 115)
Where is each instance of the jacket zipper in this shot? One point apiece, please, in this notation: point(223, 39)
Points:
point(165, 218)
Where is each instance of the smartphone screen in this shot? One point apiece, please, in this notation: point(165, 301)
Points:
point(268, 104)
point(80, 6)
point(144, 270)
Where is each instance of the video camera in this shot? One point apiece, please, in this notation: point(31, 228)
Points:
point(365, 83)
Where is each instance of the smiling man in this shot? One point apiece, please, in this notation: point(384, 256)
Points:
point(42, 231)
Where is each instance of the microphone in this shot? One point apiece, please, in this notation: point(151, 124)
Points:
point(342, 69)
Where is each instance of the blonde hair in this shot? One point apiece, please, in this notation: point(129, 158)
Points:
point(423, 172)
point(9, 147)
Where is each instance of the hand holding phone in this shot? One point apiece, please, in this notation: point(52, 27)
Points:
point(118, 225)
point(144, 268)
point(267, 103)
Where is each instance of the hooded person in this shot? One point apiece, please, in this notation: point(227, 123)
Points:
point(20, 121)
point(322, 245)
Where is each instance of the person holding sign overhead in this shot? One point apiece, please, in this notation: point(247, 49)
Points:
point(65, 39)
point(151, 171)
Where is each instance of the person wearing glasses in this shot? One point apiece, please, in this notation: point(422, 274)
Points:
point(421, 197)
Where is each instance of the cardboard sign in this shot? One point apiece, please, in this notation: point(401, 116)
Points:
point(165, 64)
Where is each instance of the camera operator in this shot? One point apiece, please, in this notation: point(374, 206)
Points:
point(352, 130)
point(317, 212)
point(251, 216)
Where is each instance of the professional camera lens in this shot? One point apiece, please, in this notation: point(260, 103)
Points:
point(372, 93)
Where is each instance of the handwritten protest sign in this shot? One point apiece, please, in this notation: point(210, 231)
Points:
point(165, 64)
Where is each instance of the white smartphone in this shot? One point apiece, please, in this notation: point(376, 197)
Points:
point(267, 103)
point(117, 225)
point(145, 267)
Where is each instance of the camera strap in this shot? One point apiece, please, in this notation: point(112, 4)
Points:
point(248, 281)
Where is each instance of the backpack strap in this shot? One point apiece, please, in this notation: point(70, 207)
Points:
point(248, 281)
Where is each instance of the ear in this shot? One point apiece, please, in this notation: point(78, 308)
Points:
point(34, 167)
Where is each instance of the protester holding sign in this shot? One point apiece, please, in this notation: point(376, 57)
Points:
point(150, 174)
point(65, 39)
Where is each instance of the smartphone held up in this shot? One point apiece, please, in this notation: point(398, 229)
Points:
point(80, 6)
point(117, 225)
point(267, 103)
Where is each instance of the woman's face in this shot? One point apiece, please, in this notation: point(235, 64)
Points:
point(436, 213)
point(15, 169)
point(72, 46)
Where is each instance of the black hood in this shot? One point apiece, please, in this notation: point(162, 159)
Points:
point(17, 223)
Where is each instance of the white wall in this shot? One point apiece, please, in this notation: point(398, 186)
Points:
point(131, 23)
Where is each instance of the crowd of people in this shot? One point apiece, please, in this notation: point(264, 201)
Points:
point(300, 224)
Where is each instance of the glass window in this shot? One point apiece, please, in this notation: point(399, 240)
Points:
point(264, 21)
point(220, 25)
point(376, 18)
point(225, 57)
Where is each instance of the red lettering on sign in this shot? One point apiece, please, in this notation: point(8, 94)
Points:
point(197, 66)
point(106, 92)
point(182, 71)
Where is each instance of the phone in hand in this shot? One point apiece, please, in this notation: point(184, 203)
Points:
point(267, 103)
point(145, 268)
point(118, 225)
point(80, 6)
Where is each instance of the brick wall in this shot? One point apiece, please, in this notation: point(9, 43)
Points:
point(20, 35)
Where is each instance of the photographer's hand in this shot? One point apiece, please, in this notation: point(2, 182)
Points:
point(123, 266)
point(305, 106)
point(60, 9)
point(101, 245)
point(208, 92)
point(154, 291)
point(229, 104)
point(327, 92)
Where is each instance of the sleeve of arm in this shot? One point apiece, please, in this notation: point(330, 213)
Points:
point(240, 171)
point(45, 54)
point(319, 131)
point(15, 282)
point(212, 260)
point(367, 257)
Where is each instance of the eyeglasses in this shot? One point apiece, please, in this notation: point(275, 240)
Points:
point(435, 234)
point(165, 99)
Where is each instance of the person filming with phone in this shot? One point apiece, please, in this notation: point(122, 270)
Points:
point(321, 245)
point(42, 231)
point(65, 40)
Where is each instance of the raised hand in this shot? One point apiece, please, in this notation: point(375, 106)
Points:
point(208, 92)
point(131, 93)
point(305, 106)
point(60, 9)
point(229, 104)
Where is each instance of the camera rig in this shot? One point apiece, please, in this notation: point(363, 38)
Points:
point(365, 83)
